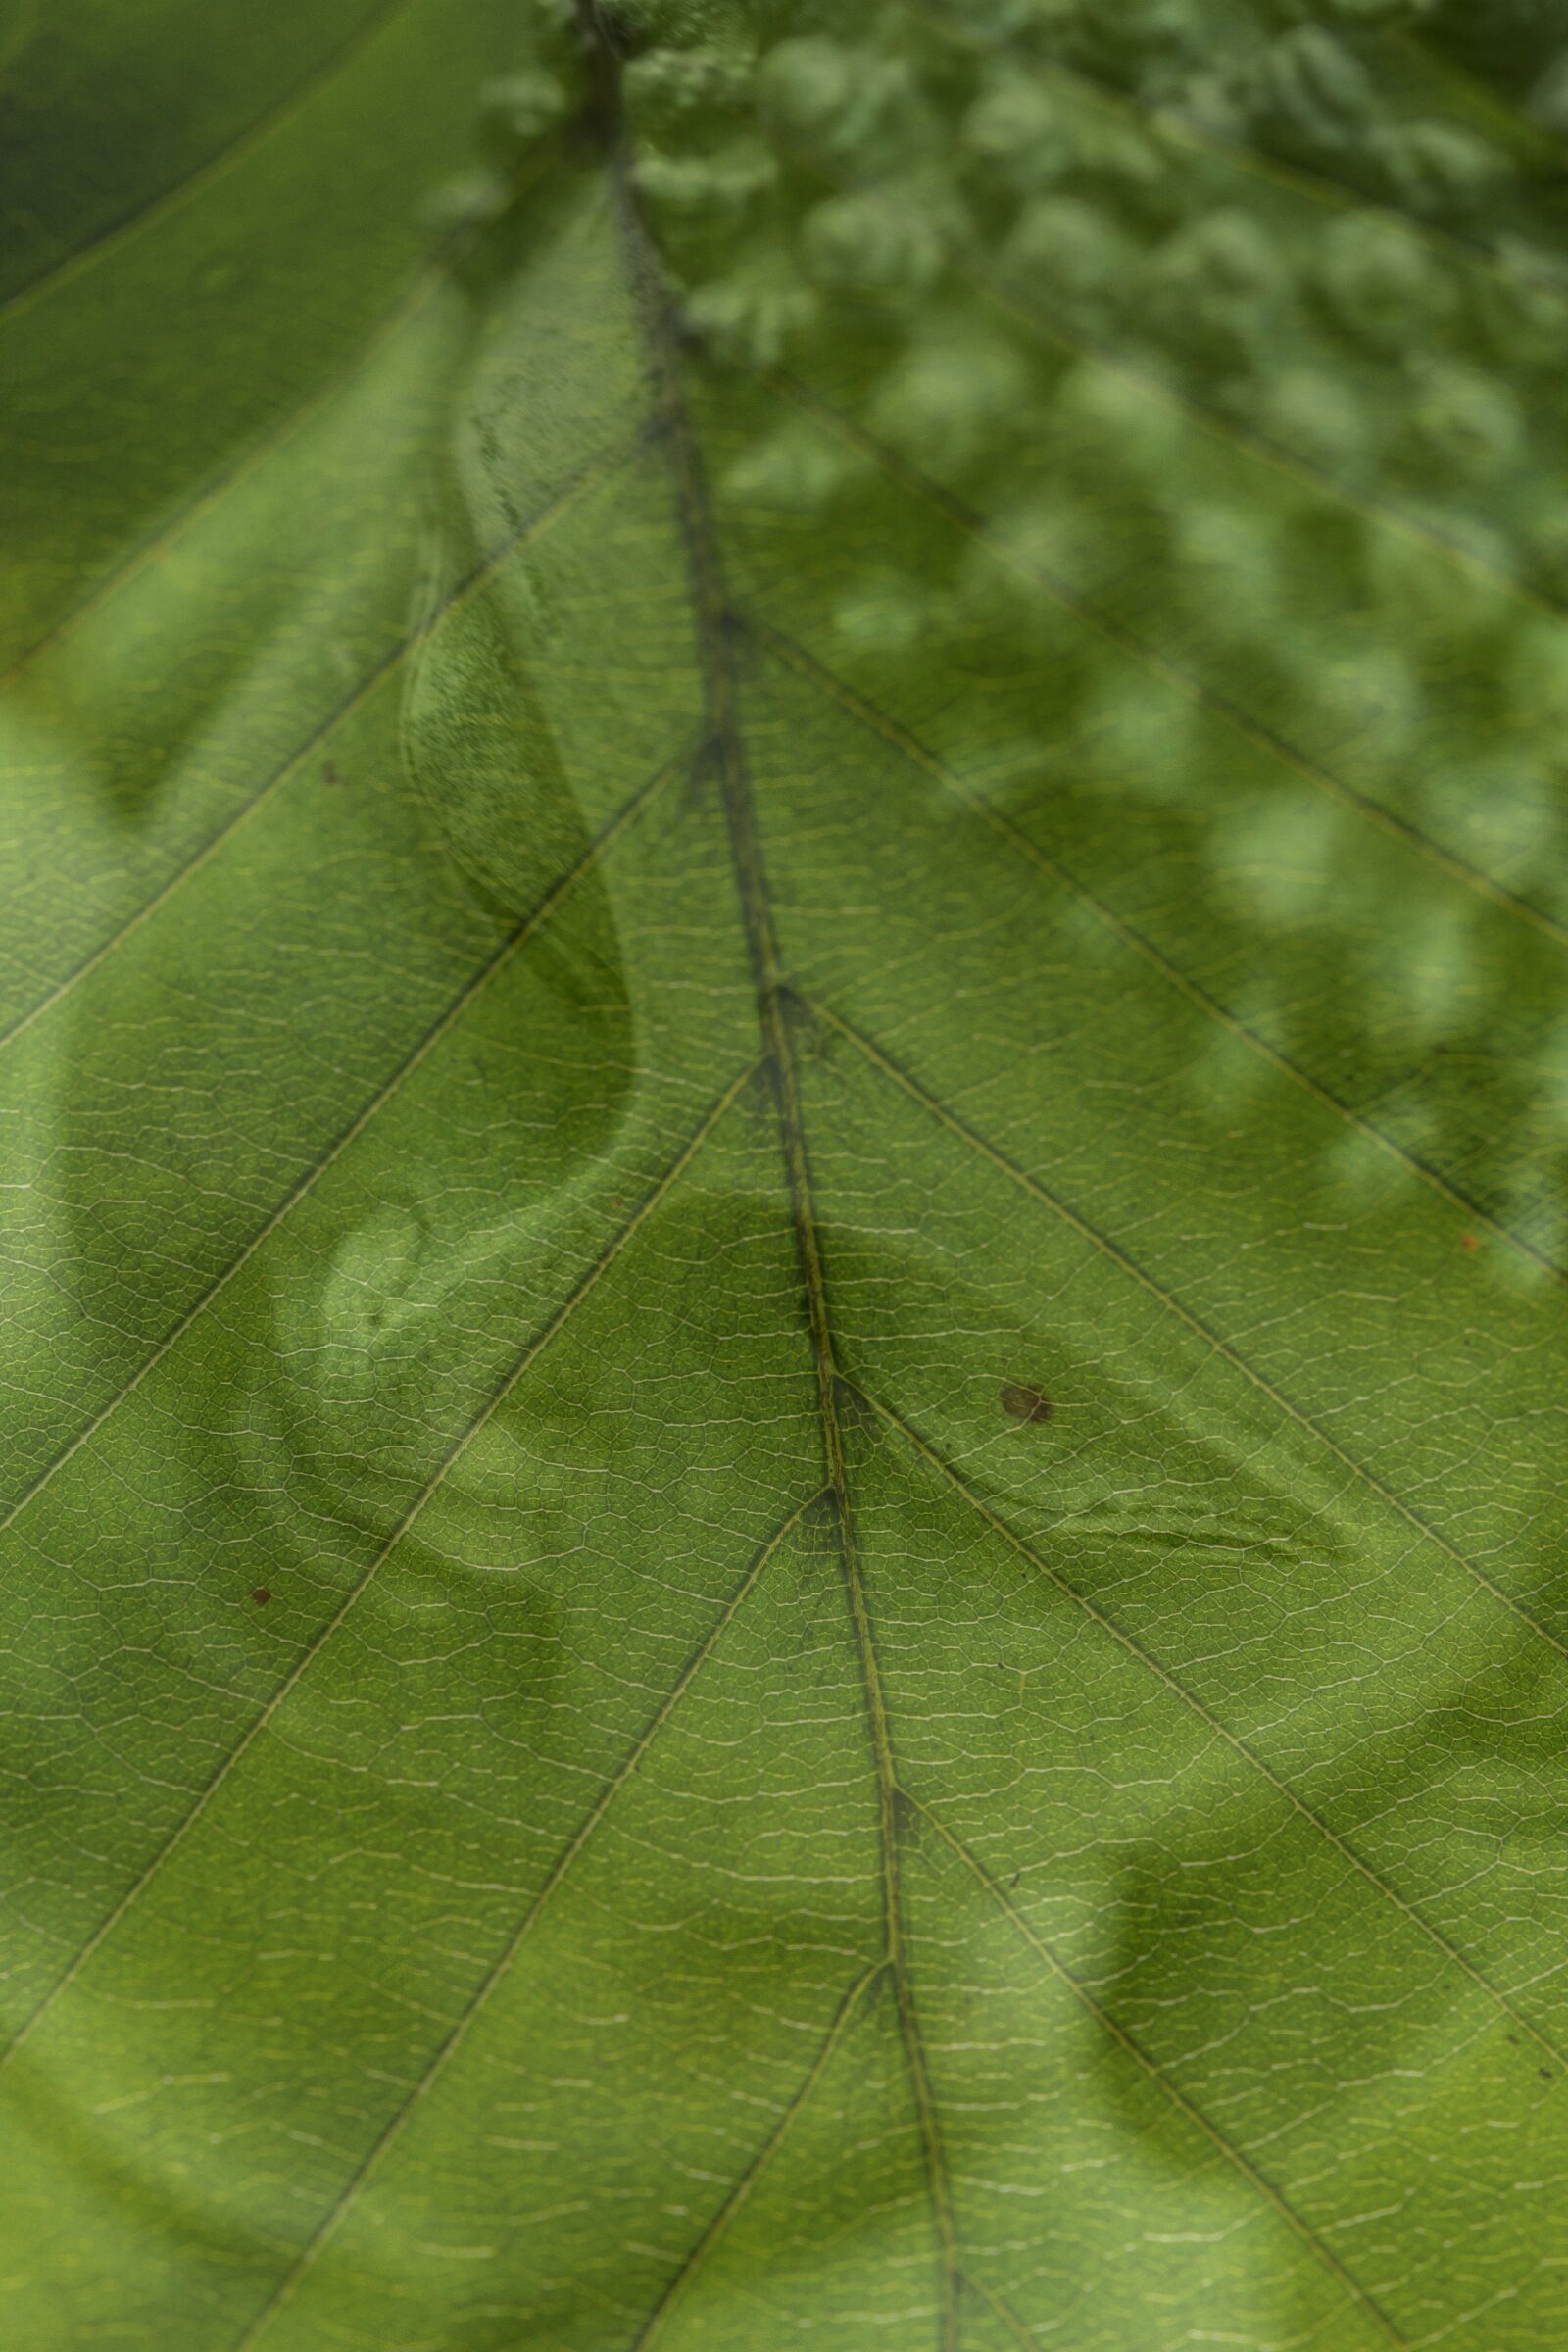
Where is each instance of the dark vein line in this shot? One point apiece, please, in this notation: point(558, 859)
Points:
point(726, 765)
point(1189, 1699)
point(305, 1184)
point(217, 486)
point(1251, 443)
point(560, 503)
point(1220, 707)
point(454, 2040)
point(794, 655)
point(1247, 441)
point(1119, 1257)
point(1128, 2043)
point(297, 419)
point(217, 166)
point(1318, 188)
point(520, 1366)
point(1004, 2310)
point(681, 2285)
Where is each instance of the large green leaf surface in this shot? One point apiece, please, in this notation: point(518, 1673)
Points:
point(784, 1046)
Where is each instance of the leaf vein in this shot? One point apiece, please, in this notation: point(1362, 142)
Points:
point(807, 665)
point(570, 1852)
point(561, 502)
point(1131, 2047)
point(717, 625)
point(1220, 707)
point(217, 166)
point(523, 1364)
point(1195, 1323)
point(1190, 1700)
point(681, 2285)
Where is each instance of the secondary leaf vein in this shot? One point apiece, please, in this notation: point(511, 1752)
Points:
point(795, 657)
point(561, 501)
point(883, 1061)
point(1189, 1699)
point(1157, 2074)
point(1231, 714)
point(454, 2040)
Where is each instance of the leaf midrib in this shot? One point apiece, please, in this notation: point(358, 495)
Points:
point(774, 1020)
point(726, 750)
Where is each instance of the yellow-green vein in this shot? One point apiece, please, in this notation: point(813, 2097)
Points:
point(681, 2285)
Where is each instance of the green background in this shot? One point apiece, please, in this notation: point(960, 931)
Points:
point(784, 1059)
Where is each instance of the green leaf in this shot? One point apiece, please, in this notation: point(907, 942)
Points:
point(784, 1034)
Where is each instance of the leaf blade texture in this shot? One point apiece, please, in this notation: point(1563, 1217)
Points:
point(783, 1045)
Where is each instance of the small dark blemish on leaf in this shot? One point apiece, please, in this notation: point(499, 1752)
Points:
point(1023, 1402)
point(260, 1597)
point(1545, 2073)
point(331, 774)
point(617, 1201)
point(1468, 1241)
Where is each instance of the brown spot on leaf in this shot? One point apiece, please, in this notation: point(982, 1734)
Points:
point(331, 774)
point(1468, 1241)
point(1023, 1402)
point(260, 1597)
